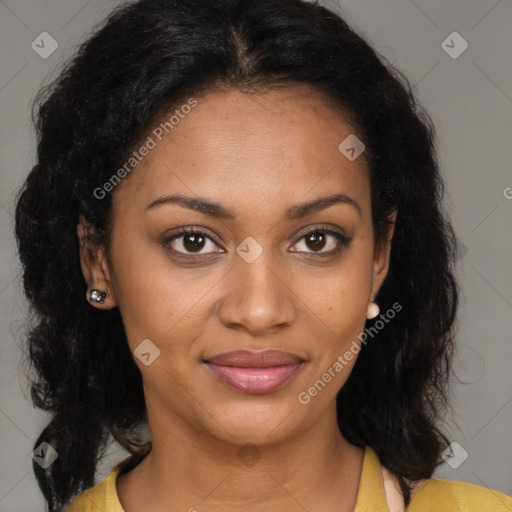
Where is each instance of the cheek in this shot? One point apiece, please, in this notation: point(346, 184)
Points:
point(156, 300)
point(340, 304)
point(339, 316)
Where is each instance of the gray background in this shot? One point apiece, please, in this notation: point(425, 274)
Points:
point(470, 101)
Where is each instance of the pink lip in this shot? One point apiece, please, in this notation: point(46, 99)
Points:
point(255, 372)
point(250, 358)
point(256, 379)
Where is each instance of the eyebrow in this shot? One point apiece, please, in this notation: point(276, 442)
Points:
point(214, 209)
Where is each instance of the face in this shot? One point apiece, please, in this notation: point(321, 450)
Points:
point(260, 271)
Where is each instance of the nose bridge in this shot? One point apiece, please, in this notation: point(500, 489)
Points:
point(257, 297)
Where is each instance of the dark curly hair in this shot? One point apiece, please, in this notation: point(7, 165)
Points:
point(140, 63)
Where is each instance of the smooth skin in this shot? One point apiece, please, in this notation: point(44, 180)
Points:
point(195, 297)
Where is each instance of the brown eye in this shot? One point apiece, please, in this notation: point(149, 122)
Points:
point(191, 242)
point(317, 239)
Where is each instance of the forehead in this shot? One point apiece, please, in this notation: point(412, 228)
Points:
point(281, 145)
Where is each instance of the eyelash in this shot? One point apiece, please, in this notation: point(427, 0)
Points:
point(342, 240)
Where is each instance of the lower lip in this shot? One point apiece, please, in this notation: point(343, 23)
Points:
point(254, 380)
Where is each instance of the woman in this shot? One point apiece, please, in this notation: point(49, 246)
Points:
point(234, 231)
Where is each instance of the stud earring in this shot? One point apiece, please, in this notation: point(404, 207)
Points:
point(373, 310)
point(97, 296)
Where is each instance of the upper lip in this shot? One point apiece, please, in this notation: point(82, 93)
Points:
point(249, 358)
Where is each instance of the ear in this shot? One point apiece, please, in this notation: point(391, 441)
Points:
point(94, 264)
point(381, 260)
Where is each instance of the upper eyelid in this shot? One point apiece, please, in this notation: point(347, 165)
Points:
point(187, 230)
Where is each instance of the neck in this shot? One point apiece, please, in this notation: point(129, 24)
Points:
point(315, 470)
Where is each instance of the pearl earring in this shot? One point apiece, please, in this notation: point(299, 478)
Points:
point(373, 310)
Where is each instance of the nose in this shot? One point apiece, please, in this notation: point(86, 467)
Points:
point(257, 297)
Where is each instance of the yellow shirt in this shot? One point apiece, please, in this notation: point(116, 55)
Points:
point(433, 495)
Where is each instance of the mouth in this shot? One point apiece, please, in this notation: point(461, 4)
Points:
point(255, 372)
